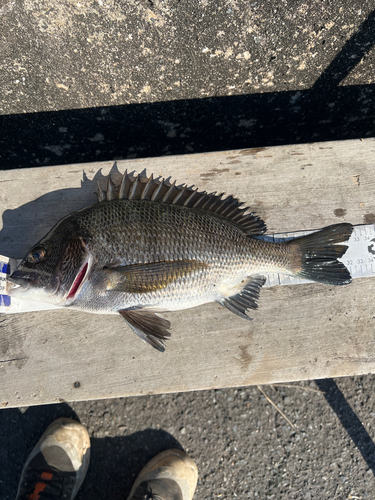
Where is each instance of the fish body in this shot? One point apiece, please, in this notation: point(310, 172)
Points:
point(206, 258)
point(147, 247)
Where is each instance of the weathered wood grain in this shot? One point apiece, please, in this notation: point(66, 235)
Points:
point(299, 332)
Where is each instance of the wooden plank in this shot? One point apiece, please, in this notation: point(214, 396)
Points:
point(299, 332)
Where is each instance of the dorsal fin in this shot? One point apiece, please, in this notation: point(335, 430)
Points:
point(160, 190)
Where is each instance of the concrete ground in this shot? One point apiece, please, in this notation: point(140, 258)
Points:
point(100, 80)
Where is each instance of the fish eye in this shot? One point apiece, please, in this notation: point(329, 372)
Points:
point(36, 255)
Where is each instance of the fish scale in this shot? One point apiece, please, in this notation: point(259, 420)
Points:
point(183, 235)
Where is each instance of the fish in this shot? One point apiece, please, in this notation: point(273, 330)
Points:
point(149, 246)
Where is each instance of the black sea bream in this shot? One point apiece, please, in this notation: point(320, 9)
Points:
point(148, 247)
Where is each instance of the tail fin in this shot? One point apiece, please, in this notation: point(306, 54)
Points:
point(320, 253)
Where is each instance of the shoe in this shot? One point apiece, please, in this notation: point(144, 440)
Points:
point(56, 467)
point(171, 475)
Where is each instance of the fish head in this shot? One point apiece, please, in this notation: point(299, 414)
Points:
point(55, 269)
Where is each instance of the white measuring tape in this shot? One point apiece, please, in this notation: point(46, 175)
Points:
point(359, 259)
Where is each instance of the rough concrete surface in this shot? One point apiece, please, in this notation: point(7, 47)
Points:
point(99, 80)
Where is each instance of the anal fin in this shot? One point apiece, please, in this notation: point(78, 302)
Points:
point(246, 298)
point(148, 326)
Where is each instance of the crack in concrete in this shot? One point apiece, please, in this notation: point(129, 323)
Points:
point(10, 360)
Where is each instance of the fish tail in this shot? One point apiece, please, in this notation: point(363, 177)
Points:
point(319, 252)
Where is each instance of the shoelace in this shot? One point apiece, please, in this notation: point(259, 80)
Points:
point(153, 496)
point(38, 487)
point(144, 493)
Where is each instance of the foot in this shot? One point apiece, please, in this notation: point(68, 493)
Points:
point(57, 465)
point(171, 475)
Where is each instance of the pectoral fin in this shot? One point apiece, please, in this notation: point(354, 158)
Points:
point(148, 326)
point(246, 298)
point(143, 278)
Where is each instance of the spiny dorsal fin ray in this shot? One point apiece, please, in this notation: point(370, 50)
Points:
point(101, 194)
point(111, 189)
point(160, 190)
point(148, 189)
point(125, 186)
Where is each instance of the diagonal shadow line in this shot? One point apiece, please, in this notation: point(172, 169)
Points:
point(349, 56)
point(349, 420)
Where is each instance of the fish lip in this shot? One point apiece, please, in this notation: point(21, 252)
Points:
point(22, 278)
point(89, 262)
point(26, 279)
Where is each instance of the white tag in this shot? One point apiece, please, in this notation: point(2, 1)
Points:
point(5, 270)
point(10, 304)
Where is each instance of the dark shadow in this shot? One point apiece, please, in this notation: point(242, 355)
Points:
point(18, 437)
point(325, 112)
point(349, 56)
point(33, 220)
point(115, 461)
point(349, 420)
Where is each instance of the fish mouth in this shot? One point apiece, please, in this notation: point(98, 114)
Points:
point(80, 279)
point(22, 279)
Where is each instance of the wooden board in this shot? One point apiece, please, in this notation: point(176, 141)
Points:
point(299, 332)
